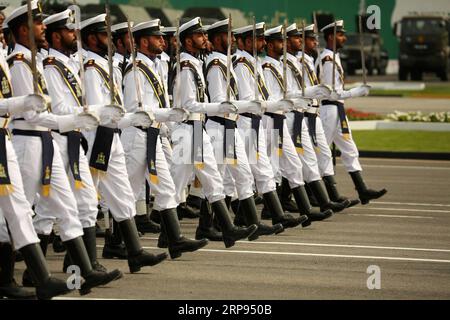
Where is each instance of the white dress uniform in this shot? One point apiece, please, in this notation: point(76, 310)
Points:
point(114, 185)
point(256, 149)
point(182, 167)
point(14, 206)
point(307, 153)
point(332, 125)
point(29, 153)
point(288, 162)
point(323, 152)
point(135, 140)
point(64, 102)
point(240, 171)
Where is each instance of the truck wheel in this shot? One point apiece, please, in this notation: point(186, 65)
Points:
point(402, 74)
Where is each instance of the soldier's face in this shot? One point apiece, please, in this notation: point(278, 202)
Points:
point(102, 41)
point(199, 41)
point(68, 39)
point(126, 42)
point(295, 43)
point(224, 39)
point(39, 33)
point(340, 40)
point(155, 44)
point(310, 44)
point(277, 47)
point(260, 44)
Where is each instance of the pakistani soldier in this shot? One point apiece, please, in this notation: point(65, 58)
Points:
point(106, 155)
point(284, 156)
point(312, 122)
point(14, 205)
point(228, 146)
point(39, 157)
point(192, 149)
point(332, 111)
point(67, 97)
point(144, 90)
point(251, 87)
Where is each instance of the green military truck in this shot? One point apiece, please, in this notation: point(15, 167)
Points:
point(424, 46)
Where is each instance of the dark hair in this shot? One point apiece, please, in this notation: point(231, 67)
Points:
point(14, 27)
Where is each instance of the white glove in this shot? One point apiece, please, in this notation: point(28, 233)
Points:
point(248, 106)
point(31, 102)
point(281, 105)
point(171, 114)
point(108, 114)
point(138, 119)
point(301, 104)
point(360, 91)
point(228, 107)
point(319, 91)
point(84, 121)
point(164, 130)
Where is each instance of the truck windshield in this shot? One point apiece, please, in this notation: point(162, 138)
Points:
point(425, 26)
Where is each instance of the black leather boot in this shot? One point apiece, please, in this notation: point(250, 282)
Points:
point(58, 245)
point(184, 211)
point(155, 216)
point(301, 197)
point(137, 256)
point(239, 219)
point(47, 287)
point(114, 246)
point(321, 195)
point(285, 196)
point(177, 243)
point(163, 242)
point(333, 193)
point(8, 286)
point(79, 256)
point(27, 280)
point(278, 216)
point(230, 232)
point(365, 194)
point(248, 209)
point(145, 225)
point(312, 199)
point(205, 229)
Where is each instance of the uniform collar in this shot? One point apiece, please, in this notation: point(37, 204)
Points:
point(146, 60)
point(118, 56)
point(18, 48)
point(276, 63)
point(164, 57)
point(60, 56)
point(247, 55)
point(98, 59)
point(216, 55)
point(194, 60)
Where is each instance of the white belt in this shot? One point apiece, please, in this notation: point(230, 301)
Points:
point(4, 122)
point(22, 125)
point(312, 110)
point(196, 117)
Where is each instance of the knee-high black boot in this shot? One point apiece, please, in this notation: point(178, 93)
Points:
point(27, 280)
point(205, 229)
point(365, 194)
point(276, 210)
point(333, 193)
point(321, 195)
point(301, 197)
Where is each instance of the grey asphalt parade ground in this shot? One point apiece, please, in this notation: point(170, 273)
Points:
point(405, 236)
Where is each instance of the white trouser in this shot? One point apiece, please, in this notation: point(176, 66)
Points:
point(229, 184)
point(60, 200)
point(135, 146)
point(240, 172)
point(260, 166)
point(333, 132)
point(85, 197)
point(15, 208)
point(183, 167)
point(308, 157)
point(114, 185)
point(289, 164)
point(324, 157)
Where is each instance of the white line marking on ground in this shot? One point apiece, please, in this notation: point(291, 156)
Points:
point(401, 209)
point(79, 298)
point(334, 245)
point(388, 216)
point(321, 255)
point(404, 167)
point(411, 204)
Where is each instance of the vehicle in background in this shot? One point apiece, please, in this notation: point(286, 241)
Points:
point(424, 46)
point(375, 55)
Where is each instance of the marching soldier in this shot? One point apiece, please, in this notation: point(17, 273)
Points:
point(228, 145)
point(16, 209)
point(106, 155)
point(332, 111)
point(38, 155)
point(144, 90)
point(284, 154)
point(250, 125)
point(192, 149)
point(65, 91)
point(312, 123)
